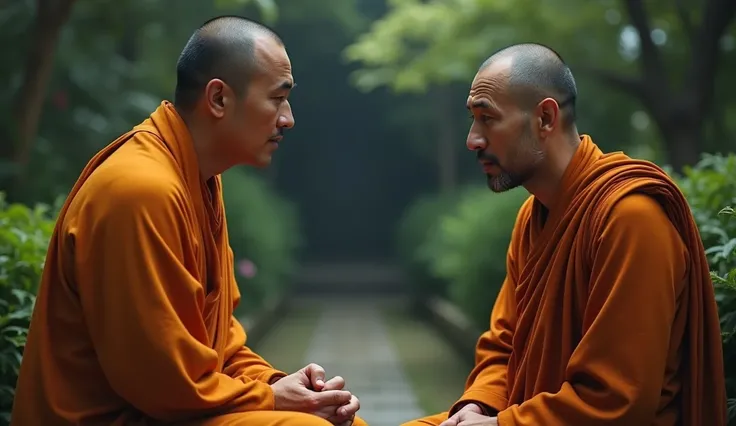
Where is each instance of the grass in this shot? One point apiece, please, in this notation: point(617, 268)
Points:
point(435, 370)
point(285, 346)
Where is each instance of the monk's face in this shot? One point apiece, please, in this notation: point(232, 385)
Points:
point(255, 126)
point(502, 133)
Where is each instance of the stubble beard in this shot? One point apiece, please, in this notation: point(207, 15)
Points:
point(530, 153)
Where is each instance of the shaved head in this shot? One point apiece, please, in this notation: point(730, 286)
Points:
point(222, 48)
point(535, 72)
point(522, 102)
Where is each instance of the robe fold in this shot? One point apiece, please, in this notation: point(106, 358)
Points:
point(607, 315)
point(134, 317)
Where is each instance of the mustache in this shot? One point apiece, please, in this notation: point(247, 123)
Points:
point(489, 158)
point(279, 132)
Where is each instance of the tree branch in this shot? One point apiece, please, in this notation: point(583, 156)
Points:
point(651, 60)
point(717, 16)
point(50, 18)
point(686, 21)
point(631, 85)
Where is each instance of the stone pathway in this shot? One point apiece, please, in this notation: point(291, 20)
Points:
point(351, 341)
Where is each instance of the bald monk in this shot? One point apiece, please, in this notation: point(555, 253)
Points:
point(134, 322)
point(607, 314)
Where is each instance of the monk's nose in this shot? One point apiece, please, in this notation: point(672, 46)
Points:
point(286, 119)
point(475, 142)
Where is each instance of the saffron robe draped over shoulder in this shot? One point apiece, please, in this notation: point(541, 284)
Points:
point(607, 315)
point(134, 318)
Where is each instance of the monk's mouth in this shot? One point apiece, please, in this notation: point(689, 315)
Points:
point(491, 169)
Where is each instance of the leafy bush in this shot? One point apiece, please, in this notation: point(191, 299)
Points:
point(469, 248)
point(264, 235)
point(418, 223)
point(24, 238)
point(725, 284)
point(710, 188)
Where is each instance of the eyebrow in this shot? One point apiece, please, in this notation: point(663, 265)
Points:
point(286, 85)
point(480, 103)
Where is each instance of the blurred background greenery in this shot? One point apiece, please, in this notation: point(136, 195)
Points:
point(376, 169)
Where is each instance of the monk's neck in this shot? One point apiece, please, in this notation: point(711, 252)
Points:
point(547, 181)
point(208, 161)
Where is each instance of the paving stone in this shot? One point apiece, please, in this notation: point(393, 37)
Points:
point(351, 341)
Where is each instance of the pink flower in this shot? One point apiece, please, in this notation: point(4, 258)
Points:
point(246, 268)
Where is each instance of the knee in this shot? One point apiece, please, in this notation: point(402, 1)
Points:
point(359, 422)
point(304, 419)
point(434, 420)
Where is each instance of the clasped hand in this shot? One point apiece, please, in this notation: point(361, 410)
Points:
point(470, 415)
point(306, 391)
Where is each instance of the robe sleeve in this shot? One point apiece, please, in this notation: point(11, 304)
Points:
point(242, 361)
point(487, 382)
point(616, 373)
point(134, 257)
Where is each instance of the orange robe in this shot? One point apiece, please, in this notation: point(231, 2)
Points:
point(607, 315)
point(134, 322)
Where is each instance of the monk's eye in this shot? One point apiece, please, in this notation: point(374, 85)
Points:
point(483, 118)
point(280, 98)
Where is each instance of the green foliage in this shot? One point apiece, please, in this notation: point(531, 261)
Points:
point(420, 43)
point(468, 250)
point(420, 222)
point(710, 188)
point(268, 8)
point(24, 238)
point(263, 229)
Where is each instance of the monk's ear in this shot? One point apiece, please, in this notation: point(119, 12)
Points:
point(216, 97)
point(548, 112)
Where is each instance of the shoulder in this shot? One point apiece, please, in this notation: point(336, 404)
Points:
point(640, 222)
point(637, 211)
point(636, 205)
point(127, 187)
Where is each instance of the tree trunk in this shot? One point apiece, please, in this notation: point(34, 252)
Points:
point(680, 114)
point(51, 15)
point(446, 149)
point(683, 143)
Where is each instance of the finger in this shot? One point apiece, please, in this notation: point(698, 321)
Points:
point(476, 422)
point(331, 397)
point(348, 410)
point(328, 413)
point(460, 415)
point(339, 421)
point(473, 408)
point(347, 422)
point(316, 376)
point(335, 383)
point(474, 419)
point(452, 421)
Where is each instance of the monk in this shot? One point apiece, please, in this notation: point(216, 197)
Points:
point(607, 315)
point(134, 323)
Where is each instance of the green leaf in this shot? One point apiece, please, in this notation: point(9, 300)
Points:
point(267, 8)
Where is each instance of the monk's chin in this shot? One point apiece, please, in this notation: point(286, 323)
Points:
point(261, 162)
point(501, 183)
